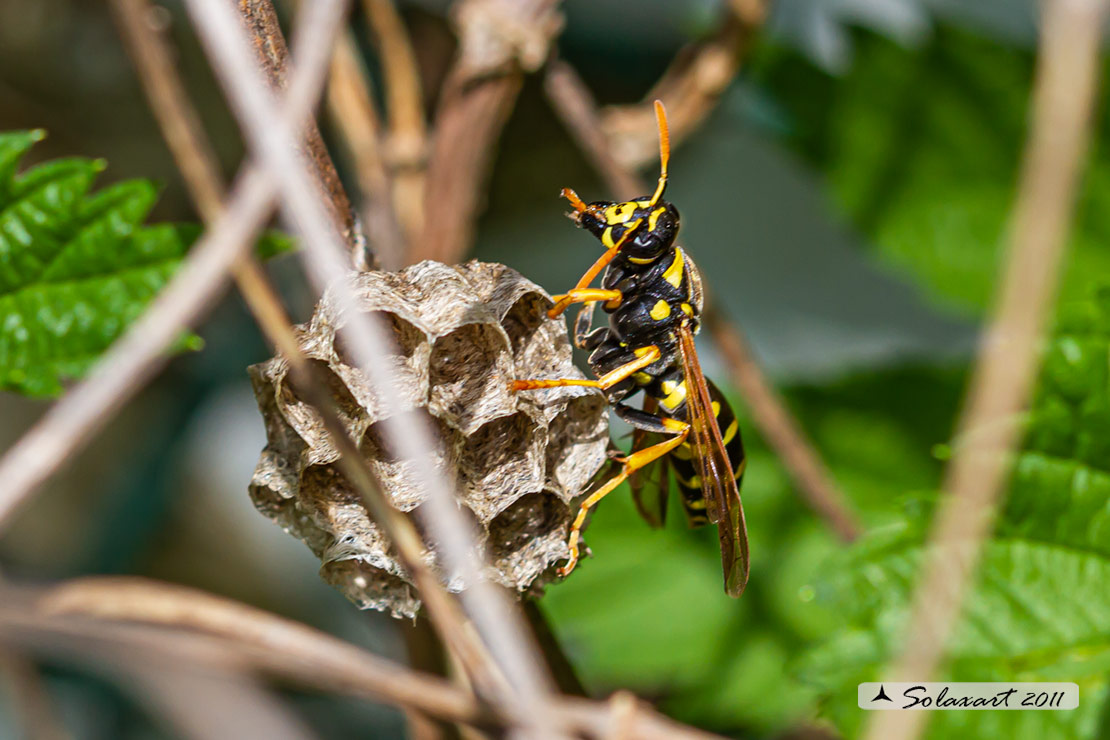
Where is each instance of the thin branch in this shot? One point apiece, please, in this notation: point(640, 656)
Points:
point(426, 653)
point(572, 101)
point(395, 525)
point(407, 145)
point(196, 158)
point(169, 102)
point(467, 128)
point(781, 430)
point(690, 88)
point(173, 674)
point(574, 104)
point(1063, 95)
point(127, 607)
point(497, 41)
point(273, 55)
point(352, 109)
point(561, 668)
point(196, 627)
point(494, 617)
point(234, 704)
point(30, 705)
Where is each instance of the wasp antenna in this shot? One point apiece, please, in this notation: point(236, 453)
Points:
point(575, 201)
point(664, 150)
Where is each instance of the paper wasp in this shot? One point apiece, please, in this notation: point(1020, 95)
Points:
point(652, 292)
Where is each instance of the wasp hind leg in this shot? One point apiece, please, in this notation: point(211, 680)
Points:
point(629, 465)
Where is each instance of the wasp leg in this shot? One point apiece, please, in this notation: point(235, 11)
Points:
point(593, 340)
point(645, 356)
point(612, 299)
point(649, 422)
point(631, 464)
point(595, 270)
point(583, 337)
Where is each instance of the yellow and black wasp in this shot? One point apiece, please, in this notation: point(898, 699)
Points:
point(652, 292)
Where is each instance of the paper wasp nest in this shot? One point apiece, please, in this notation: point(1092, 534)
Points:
point(462, 333)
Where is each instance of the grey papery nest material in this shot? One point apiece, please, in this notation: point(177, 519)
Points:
point(462, 335)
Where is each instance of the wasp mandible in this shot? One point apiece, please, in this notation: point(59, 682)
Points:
point(652, 292)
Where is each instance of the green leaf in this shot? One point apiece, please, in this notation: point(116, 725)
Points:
point(77, 268)
point(274, 244)
point(1040, 610)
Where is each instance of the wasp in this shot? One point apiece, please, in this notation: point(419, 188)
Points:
point(652, 291)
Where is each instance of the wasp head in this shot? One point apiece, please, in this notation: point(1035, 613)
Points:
point(644, 228)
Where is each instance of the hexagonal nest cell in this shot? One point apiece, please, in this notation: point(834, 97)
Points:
point(461, 334)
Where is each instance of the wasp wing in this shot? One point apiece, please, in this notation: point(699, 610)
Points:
point(718, 484)
point(650, 485)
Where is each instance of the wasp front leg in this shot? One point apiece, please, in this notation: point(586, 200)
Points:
point(645, 356)
point(611, 299)
point(602, 262)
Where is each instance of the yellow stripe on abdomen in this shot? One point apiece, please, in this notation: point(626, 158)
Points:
point(694, 482)
point(733, 428)
point(676, 394)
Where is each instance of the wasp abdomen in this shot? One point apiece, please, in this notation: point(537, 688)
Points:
point(682, 459)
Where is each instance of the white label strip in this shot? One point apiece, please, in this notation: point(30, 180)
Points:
point(964, 696)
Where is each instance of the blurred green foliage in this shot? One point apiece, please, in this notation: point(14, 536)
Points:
point(1039, 611)
point(921, 147)
point(648, 613)
point(77, 268)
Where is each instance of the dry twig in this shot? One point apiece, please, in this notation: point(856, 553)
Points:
point(195, 157)
point(1067, 70)
point(575, 106)
point(690, 88)
point(498, 40)
point(196, 628)
point(425, 653)
point(28, 699)
point(494, 617)
point(571, 100)
point(407, 144)
point(352, 108)
point(234, 705)
point(228, 635)
point(273, 55)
